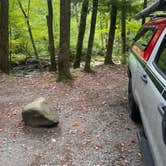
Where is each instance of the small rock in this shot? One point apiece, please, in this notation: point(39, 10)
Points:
point(53, 140)
point(38, 113)
point(139, 155)
point(126, 161)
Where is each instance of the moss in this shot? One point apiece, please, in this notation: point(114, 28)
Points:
point(65, 78)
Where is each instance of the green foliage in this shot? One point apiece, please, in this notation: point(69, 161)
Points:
point(19, 36)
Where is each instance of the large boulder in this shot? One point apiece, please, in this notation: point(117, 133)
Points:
point(39, 113)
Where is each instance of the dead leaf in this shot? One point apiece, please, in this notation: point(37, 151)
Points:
point(83, 131)
point(104, 103)
point(75, 124)
point(88, 141)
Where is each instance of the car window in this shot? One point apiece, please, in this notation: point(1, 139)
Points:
point(161, 60)
point(144, 36)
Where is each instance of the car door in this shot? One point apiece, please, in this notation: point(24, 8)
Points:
point(141, 43)
point(153, 101)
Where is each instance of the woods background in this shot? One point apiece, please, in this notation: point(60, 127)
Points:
point(36, 30)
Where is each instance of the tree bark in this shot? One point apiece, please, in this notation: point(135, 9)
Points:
point(106, 35)
point(29, 29)
point(101, 33)
point(108, 58)
point(144, 6)
point(63, 59)
point(123, 32)
point(76, 13)
point(51, 46)
point(4, 36)
point(91, 36)
point(81, 33)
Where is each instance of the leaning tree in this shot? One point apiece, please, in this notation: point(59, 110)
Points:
point(113, 17)
point(26, 16)
point(81, 33)
point(91, 36)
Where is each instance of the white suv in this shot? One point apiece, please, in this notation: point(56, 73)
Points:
point(147, 85)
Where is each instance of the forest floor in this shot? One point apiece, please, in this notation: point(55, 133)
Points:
point(94, 128)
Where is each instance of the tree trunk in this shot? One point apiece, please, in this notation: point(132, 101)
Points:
point(63, 61)
point(91, 36)
point(51, 46)
point(29, 29)
point(101, 33)
point(77, 15)
point(106, 35)
point(144, 6)
point(108, 58)
point(4, 36)
point(81, 33)
point(123, 32)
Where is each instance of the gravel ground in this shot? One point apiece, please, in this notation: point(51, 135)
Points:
point(94, 128)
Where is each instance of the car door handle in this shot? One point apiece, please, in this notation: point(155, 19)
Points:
point(162, 109)
point(144, 78)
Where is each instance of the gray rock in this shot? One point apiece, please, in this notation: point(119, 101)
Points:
point(38, 113)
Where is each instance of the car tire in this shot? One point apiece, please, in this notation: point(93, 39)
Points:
point(133, 109)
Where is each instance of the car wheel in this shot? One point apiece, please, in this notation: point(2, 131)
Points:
point(132, 106)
